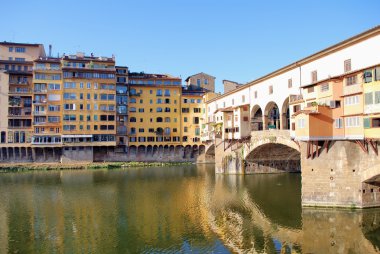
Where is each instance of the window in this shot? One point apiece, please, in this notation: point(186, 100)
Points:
point(196, 120)
point(368, 99)
point(185, 110)
point(351, 100)
point(243, 98)
point(141, 110)
point(352, 122)
point(377, 73)
point(377, 97)
point(159, 119)
point(375, 122)
point(351, 80)
point(347, 65)
point(132, 119)
point(185, 129)
point(367, 76)
point(185, 119)
point(54, 87)
point(141, 130)
point(310, 89)
point(314, 76)
point(10, 49)
point(206, 81)
point(81, 85)
point(167, 119)
point(20, 50)
point(159, 92)
point(255, 94)
point(159, 110)
point(301, 123)
point(324, 87)
point(338, 123)
point(270, 89)
point(198, 83)
point(290, 83)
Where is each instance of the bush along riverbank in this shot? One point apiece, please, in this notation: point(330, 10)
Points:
point(14, 167)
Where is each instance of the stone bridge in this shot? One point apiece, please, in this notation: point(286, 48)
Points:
point(334, 173)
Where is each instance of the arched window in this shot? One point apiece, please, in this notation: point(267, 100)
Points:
point(167, 119)
point(132, 100)
point(159, 119)
point(132, 91)
point(132, 109)
point(167, 131)
point(159, 109)
point(132, 119)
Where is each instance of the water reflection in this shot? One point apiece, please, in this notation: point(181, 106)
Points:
point(161, 210)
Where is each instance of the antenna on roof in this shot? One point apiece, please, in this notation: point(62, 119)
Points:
point(50, 50)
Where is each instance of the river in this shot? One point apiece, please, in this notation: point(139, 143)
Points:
point(185, 209)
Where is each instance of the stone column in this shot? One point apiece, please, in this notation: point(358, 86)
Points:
point(33, 154)
point(44, 153)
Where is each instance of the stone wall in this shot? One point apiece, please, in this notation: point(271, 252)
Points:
point(334, 178)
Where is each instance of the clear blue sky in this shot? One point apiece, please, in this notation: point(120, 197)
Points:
point(235, 40)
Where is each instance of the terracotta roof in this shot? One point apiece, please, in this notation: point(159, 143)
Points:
point(198, 74)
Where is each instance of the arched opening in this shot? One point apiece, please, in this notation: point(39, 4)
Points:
point(272, 116)
point(3, 137)
point(166, 150)
point(202, 149)
point(132, 150)
point(187, 152)
point(256, 119)
point(178, 150)
point(273, 158)
point(285, 115)
point(171, 150)
point(149, 150)
point(155, 150)
point(141, 150)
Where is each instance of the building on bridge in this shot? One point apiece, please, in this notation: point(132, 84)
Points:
point(339, 83)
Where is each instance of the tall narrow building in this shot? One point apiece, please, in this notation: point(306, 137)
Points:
point(89, 110)
point(16, 63)
point(121, 108)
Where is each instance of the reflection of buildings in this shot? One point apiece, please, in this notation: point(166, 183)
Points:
point(163, 209)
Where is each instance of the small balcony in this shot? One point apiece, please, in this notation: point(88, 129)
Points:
point(40, 91)
point(352, 89)
point(18, 82)
point(18, 91)
point(40, 102)
point(293, 98)
point(39, 113)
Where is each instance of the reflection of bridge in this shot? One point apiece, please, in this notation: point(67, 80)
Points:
point(328, 231)
point(337, 173)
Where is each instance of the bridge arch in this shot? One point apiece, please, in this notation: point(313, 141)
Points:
point(285, 115)
point(256, 118)
point(271, 116)
point(210, 150)
point(272, 153)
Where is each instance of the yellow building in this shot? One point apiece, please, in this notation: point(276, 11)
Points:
point(345, 107)
point(192, 109)
point(154, 110)
point(371, 90)
point(89, 103)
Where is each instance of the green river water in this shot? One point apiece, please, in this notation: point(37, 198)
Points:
point(186, 209)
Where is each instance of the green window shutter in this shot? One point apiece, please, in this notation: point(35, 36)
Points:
point(367, 123)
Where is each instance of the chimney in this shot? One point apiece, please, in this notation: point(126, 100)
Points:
point(49, 50)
